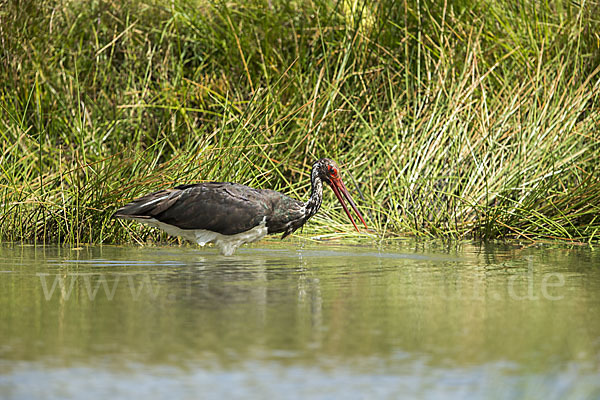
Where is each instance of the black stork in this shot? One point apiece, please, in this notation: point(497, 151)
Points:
point(231, 214)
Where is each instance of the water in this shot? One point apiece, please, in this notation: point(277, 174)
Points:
point(288, 321)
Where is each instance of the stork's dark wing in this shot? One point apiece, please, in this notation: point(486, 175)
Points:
point(226, 208)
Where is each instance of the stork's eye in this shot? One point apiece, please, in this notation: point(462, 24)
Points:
point(333, 171)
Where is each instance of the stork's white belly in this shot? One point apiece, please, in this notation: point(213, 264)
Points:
point(226, 243)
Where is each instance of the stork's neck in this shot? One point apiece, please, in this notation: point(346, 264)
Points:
point(316, 195)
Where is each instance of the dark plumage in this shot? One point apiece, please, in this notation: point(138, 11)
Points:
point(234, 208)
point(231, 214)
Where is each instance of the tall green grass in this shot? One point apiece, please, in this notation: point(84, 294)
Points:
point(467, 118)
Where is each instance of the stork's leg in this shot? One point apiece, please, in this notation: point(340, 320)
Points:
point(228, 247)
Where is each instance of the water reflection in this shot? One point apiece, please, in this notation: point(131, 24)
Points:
point(411, 312)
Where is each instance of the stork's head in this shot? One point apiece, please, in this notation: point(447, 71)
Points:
point(329, 172)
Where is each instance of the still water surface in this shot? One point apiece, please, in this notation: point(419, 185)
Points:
point(296, 321)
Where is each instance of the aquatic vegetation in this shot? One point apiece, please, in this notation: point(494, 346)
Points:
point(455, 119)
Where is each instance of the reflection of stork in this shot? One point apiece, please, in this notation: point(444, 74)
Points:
point(231, 214)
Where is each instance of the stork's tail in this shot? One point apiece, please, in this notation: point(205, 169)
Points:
point(147, 206)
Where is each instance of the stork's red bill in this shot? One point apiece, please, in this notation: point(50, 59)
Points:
point(231, 214)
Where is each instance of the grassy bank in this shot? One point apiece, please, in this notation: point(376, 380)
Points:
point(470, 118)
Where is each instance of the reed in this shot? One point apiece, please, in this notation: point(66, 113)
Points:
point(453, 119)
